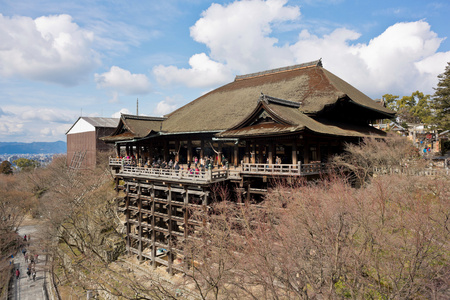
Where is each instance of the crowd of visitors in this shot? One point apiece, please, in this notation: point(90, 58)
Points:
point(197, 166)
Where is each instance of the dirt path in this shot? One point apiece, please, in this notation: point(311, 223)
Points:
point(25, 288)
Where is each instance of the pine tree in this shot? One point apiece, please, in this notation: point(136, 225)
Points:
point(5, 167)
point(441, 99)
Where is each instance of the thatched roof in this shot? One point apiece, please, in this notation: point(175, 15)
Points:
point(308, 84)
point(134, 127)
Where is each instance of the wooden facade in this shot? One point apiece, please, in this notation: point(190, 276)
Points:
point(84, 139)
point(278, 123)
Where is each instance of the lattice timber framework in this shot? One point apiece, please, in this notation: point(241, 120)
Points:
point(158, 220)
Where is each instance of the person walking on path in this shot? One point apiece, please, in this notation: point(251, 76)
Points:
point(17, 273)
point(29, 273)
point(34, 275)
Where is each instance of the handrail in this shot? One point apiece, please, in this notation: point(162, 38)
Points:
point(284, 169)
point(411, 171)
point(127, 168)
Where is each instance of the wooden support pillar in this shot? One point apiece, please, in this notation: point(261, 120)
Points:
point(151, 150)
point(248, 198)
point(166, 150)
point(247, 152)
point(139, 221)
point(127, 218)
point(131, 149)
point(253, 153)
point(177, 150)
point(202, 149)
point(205, 208)
point(236, 155)
point(270, 153)
point(169, 213)
point(260, 153)
point(294, 152)
point(219, 154)
point(153, 254)
point(306, 151)
point(186, 229)
point(117, 148)
point(189, 151)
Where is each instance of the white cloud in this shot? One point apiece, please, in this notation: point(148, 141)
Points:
point(238, 38)
point(46, 114)
point(50, 48)
point(203, 72)
point(123, 81)
point(120, 112)
point(4, 113)
point(29, 124)
point(168, 105)
point(8, 128)
point(403, 59)
point(238, 34)
point(55, 131)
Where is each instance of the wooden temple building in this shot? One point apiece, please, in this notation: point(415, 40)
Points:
point(281, 122)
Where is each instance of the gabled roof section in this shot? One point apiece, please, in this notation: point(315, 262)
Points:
point(288, 119)
point(310, 85)
point(264, 114)
point(134, 127)
point(95, 122)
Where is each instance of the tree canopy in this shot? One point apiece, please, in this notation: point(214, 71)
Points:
point(26, 164)
point(416, 108)
point(441, 99)
point(5, 167)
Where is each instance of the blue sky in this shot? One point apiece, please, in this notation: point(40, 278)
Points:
point(62, 59)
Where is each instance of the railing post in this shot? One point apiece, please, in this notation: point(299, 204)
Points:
point(209, 175)
point(299, 167)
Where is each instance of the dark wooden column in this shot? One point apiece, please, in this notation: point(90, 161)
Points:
point(169, 242)
point(127, 217)
point(236, 155)
point(202, 149)
point(151, 152)
point(247, 152)
point(189, 151)
point(166, 150)
point(186, 229)
point(117, 150)
point(139, 221)
point(253, 153)
point(219, 154)
point(270, 153)
point(306, 150)
point(177, 150)
point(153, 255)
point(294, 152)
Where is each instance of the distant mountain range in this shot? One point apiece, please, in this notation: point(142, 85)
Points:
point(33, 148)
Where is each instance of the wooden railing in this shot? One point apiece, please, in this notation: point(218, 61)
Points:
point(411, 171)
point(186, 175)
point(119, 161)
point(284, 169)
point(126, 168)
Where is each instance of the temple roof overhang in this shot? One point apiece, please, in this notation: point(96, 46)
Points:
point(274, 117)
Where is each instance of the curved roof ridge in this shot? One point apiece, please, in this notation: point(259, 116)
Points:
point(315, 63)
point(269, 99)
point(148, 118)
point(355, 95)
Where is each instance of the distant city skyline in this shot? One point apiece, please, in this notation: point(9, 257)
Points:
point(63, 59)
